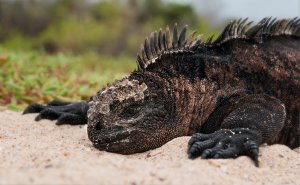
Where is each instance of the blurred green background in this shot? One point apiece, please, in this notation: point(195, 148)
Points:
point(114, 27)
point(68, 49)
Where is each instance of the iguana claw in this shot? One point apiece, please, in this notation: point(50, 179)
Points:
point(225, 143)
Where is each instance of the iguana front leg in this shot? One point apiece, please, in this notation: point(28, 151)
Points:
point(63, 112)
point(250, 121)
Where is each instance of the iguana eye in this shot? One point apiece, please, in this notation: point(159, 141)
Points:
point(131, 110)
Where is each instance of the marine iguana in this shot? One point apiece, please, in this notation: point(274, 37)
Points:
point(231, 94)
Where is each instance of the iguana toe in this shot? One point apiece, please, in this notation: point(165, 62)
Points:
point(34, 108)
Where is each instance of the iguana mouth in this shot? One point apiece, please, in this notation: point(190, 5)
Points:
point(109, 138)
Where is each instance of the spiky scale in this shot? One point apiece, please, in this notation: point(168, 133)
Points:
point(256, 29)
point(271, 28)
point(190, 39)
point(140, 63)
point(175, 37)
point(241, 26)
point(156, 43)
point(196, 42)
point(143, 54)
point(152, 45)
point(182, 35)
point(168, 40)
point(147, 49)
point(161, 40)
point(289, 26)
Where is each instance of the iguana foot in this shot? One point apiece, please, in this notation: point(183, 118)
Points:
point(63, 112)
point(225, 143)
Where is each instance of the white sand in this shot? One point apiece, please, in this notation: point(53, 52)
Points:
point(43, 153)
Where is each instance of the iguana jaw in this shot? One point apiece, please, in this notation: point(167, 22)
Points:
point(110, 139)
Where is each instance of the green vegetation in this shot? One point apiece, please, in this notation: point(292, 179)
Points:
point(30, 77)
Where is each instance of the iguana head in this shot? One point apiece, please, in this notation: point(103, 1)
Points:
point(130, 116)
point(139, 113)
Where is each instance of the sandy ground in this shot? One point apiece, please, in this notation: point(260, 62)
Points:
point(43, 153)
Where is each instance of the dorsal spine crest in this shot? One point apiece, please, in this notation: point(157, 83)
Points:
point(164, 42)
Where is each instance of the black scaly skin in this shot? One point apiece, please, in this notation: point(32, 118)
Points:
point(231, 95)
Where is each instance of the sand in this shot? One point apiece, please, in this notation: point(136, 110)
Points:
point(43, 153)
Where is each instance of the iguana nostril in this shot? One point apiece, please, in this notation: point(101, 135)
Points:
point(99, 125)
